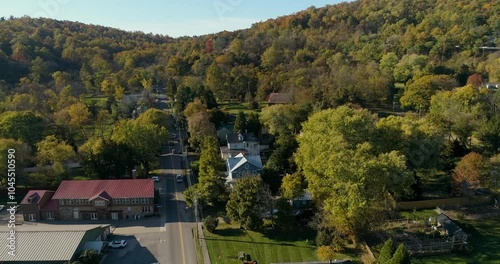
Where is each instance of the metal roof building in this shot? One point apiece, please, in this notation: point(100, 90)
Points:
point(49, 246)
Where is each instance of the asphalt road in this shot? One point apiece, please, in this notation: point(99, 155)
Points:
point(172, 242)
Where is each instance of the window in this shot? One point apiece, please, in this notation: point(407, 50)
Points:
point(117, 201)
point(93, 216)
point(254, 172)
point(61, 202)
point(78, 201)
point(136, 200)
point(146, 209)
point(50, 215)
point(125, 200)
point(145, 200)
point(100, 203)
point(69, 201)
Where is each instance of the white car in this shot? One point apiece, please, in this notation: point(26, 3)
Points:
point(117, 244)
point(155, 178)
point(179, 178)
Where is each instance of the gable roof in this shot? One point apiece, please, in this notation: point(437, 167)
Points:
point(240, 160)
point(108, 189)
point(35, 196)
point(448, 224)
point(42, 245)
point(279, 98)
point(235, 138)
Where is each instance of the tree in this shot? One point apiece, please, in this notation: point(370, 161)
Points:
point(211, 180)
point(386, 252)
point(240, 124)
point(470, 172)
point(344, 171)
point(89, 257)
point(22, 154)
point(171, 88)
point(400, 256)
point(489, 135)
point(199, 126)
point(144, 139)
point(194, 108)
point(52, 156)
point(154, 116)
point(215, 80)
point(292, 186)
point(417, 94)
point(326, 253)
point(104, 158)
point(210, 223)
point(25, 126)
point(253, 124)
point(79, 116)
point(248, 201)
point(283, 119)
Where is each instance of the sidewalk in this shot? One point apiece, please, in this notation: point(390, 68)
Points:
point(203, 245)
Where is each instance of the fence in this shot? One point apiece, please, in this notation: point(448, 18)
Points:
point(453, 202)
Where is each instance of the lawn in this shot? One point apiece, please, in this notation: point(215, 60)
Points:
point(267, 247)
point(235, 107)
point(485, 243)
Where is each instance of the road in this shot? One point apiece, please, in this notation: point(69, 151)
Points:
point(170, 241)
point(179, 221)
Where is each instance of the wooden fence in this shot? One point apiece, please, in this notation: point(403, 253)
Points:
point(449, 202)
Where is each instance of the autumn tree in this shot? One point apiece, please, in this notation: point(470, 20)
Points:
point(417, 94)
point(22, 153)
point(52, 157)
point(471, 172)
point(292, 186)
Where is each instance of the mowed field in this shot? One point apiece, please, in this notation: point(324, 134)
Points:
point(268, 247)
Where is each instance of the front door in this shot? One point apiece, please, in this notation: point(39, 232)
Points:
point(114, 216)
point(31, 217)
point(76, 215)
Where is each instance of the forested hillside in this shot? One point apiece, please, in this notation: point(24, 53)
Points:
point(362, 52)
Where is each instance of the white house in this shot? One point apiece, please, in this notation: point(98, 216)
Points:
point(245, 143)
point(241, 166)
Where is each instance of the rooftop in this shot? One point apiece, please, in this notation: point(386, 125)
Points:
point(241, 137)
point(279, 98)
point(132, 188)
point(35, 196)
point(240, 160)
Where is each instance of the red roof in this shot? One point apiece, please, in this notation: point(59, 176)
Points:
point(50, 205)
point(133, 188)
point(35, 195)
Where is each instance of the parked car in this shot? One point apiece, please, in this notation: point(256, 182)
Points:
point(2, 207)
point(179, 178)
point(174, 151)
point(155, 178)
point(117, 244)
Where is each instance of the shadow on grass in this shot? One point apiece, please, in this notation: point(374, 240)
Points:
point(298, 234)
point(234, 232)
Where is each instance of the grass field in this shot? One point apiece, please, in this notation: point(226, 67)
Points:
point(267, 247)
point(235, 107)
point(485, 243)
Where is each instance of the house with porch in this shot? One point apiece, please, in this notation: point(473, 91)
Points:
point(245, 143)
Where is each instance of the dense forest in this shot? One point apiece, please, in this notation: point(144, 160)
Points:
point(64, 88)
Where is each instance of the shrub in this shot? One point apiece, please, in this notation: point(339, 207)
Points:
point(210, 223)
point(325, 253)
point(386, 252)
point(324, 238)
point(400, 256)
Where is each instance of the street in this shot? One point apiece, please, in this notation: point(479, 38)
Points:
point(172, 242)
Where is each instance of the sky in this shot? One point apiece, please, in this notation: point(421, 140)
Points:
point(167, 17)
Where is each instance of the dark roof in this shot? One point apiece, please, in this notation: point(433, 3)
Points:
point(133, 188)
point(279, 98)
point(235, 138)
point(448, 224)
point(104, 195)
point(35, 196)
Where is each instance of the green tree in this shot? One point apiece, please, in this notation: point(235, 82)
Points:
point(22, 154)
point(171, 88)
point(253, 124)
point(25, 126)
point(211, 180)
point(154, 116)
point(400, 256)
point(52, 156)
point(386, 252)
point(249, 199)
point(417, 94)
point(292, 186)
point(345, 172)
point(489, 134)
point(89, 257)
point(240, 124)
point(283, 119)
point(216, 81)
point(144, 139)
